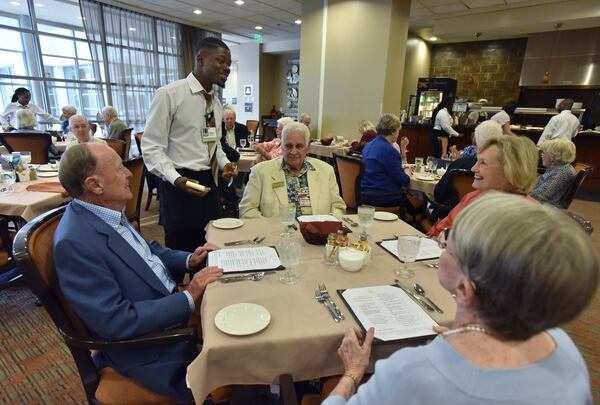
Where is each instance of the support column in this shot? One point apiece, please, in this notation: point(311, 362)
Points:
point(351, 62)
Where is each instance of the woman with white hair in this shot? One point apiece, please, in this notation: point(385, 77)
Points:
point(114, 126)
point(67, 112)
point(26, 123)
point(292, 179)
point(557, 155)
point(272, 149)
point(504, 263)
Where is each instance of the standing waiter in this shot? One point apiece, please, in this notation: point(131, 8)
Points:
point(181, 144)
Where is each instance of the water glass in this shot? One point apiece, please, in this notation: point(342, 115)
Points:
point(243, 142)
point(408, 249)
point(431, 164)
point(366, 214)
point(7, 179)
point(289, 254)
point(418, 164)
point(25, 158)
point(287, 217)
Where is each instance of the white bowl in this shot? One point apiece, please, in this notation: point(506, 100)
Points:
point(351, 259)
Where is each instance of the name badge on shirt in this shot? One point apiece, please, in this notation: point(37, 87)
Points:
point(278, 184)
point(208, 134)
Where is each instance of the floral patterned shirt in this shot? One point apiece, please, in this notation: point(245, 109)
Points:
point(297, 188)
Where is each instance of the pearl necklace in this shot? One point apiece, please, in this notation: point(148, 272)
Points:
point(465, 329)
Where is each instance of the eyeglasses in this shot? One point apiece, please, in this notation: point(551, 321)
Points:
point(443, 238)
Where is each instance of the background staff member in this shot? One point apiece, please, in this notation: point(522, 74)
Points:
point(19, 101)
point(180, 143)
point(442, 125)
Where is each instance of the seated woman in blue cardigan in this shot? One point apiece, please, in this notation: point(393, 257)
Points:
point(384, 180)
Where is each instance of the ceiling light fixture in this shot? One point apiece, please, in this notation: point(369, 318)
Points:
point(546, 77)
point(15, 3)
point(197, 11)
point(39, 5)
point(173, 37)
point(258, 27)
point(433, 39)
point(239, 2)
point(132, 29)
point(298, 21)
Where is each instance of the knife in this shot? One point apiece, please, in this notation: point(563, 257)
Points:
point(417, 298)
point(241, 277)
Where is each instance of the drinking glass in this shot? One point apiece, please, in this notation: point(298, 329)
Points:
point(25, 158)
point(418, 164)
point(243, 142)
point(365, 218)
point(408, 249)
point(289, 254)
point(431, 164)
point(7, 179)
point(287, 217)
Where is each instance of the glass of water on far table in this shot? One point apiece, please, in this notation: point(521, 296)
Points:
point(289, 254)
point(243, 142)
point(26, 157)
point(287, 217)
point(365, 218)
point(408, 249)
point(7, 179)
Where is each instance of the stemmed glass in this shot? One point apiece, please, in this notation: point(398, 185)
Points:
point(243, 142)
point(431, 164)
point(26, 158)
point(408, 249)
point(289, 254)
point(8, 179)
point(287, 217)
point(365, 218)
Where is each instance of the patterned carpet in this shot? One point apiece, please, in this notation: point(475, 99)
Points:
point(36, 368)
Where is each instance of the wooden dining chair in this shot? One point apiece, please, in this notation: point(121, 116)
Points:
point(582, 170)
point(347, 171)
point(93, 128)
point(151, 179)
point(37, 143)
point(136, 185)
point(462, 181)
point(118, 146)
point(33, 255)
point(252, 125)
point(126, 137)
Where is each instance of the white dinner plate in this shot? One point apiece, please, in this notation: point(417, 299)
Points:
point(47, 168)
point(385, 216)
point(425, 177)
point(242, 319)
point(228, 223)
point(47, 174)
point(247, 153)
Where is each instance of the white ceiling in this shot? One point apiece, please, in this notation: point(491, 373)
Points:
point(277, 16)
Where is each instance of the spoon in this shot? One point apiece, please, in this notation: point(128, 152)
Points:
point(421, 291)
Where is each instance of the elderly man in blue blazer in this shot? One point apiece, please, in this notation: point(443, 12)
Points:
point(119, 284)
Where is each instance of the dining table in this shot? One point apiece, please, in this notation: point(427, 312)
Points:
point(327, 151)
point(247, 161)
point(25, 204)
point(424, 182)
point(301, 338)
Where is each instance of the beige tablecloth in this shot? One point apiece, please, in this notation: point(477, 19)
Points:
point(301, 339)
point(29, 204)
point(325, 151)
point(425, 186)
point(246, 162)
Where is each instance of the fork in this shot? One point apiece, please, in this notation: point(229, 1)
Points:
point(243, 242)
point(325, 293)
point(325, 302)
point(252, 277)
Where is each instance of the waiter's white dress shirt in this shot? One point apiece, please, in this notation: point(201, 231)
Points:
point(563, 125)
point(443, 121)
point(501, 117)
point(172, 136)
point(9, 119)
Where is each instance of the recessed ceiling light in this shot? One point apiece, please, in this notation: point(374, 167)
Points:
point(239, 2)
point(298, 21)
point(39, 5)
point(16, 3)
point(132, 29)
point(258, 27)
point(197, 11)
point(173, 37)
point(433, 38)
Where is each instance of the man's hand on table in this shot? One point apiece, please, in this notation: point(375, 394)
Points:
point(229, 171)
point(200, 254)
point(181, 181)
point(201, 279)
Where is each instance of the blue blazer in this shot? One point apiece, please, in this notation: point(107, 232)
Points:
point(118, 296)
point(383, 168)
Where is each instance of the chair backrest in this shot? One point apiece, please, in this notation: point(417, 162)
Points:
point(138, 140)
point(252, 125)
point(582, 170)
point(37, 143)
point(33, 256)
point(347, 171)
point(93, 128)
point(118, 146)
point(136, 185)
point(126, 137)
point(462, 181)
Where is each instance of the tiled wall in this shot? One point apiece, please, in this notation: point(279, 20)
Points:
point(483, 69)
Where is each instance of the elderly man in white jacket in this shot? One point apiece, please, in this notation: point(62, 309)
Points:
point(292, 179)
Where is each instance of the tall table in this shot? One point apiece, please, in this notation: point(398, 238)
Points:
point(301, 339)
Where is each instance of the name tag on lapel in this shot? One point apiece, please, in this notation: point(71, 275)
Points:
point(278, 184)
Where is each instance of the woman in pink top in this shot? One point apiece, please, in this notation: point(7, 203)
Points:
point(272, 149)
point(507, 163)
